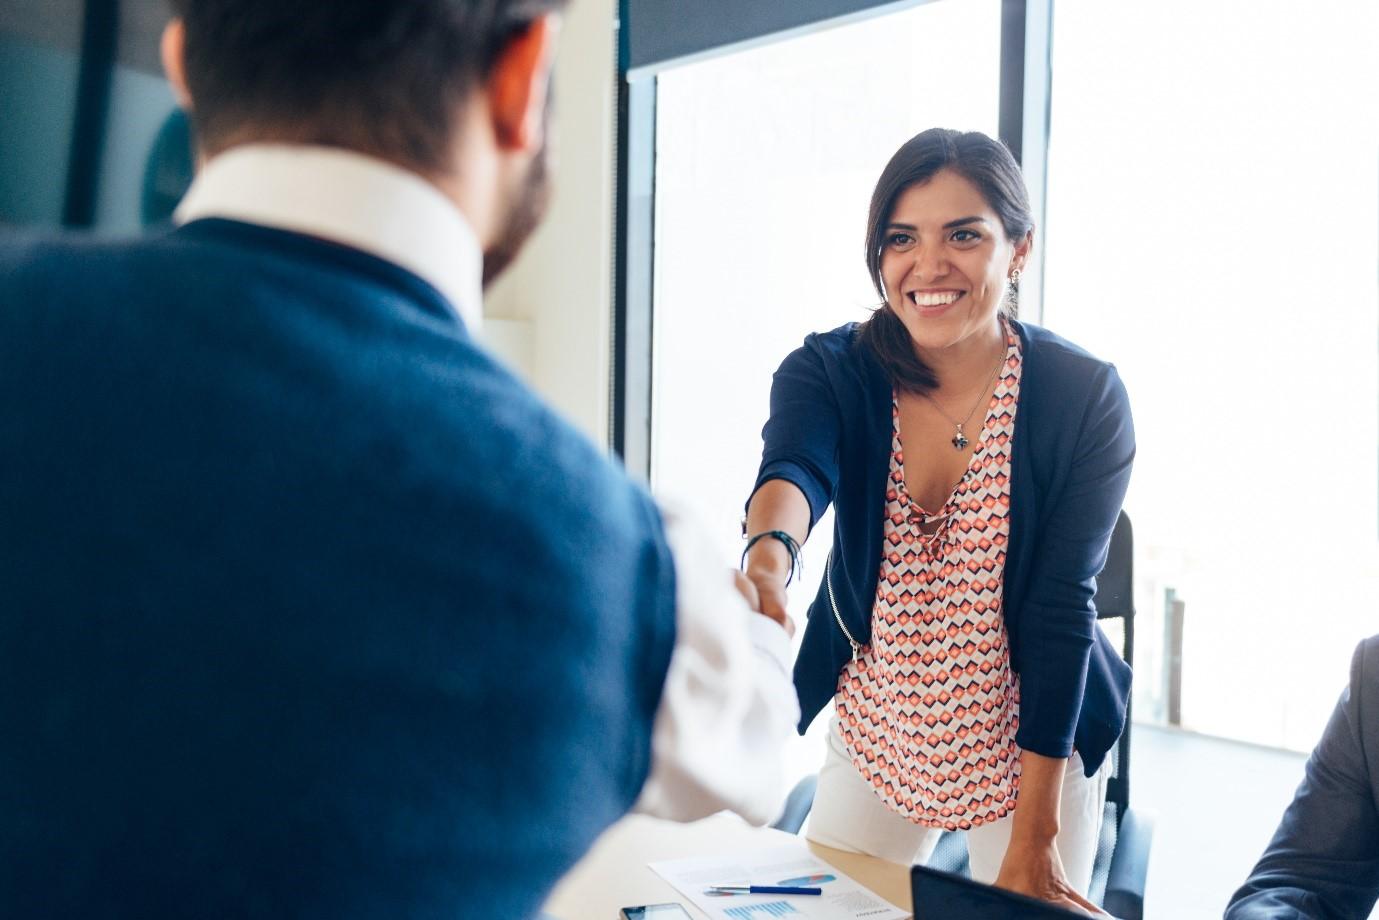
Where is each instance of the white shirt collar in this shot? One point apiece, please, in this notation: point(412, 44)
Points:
point(351, 199)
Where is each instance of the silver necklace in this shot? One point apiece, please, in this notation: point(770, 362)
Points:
point(959, 440)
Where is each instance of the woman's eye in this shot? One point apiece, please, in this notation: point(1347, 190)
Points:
point(900, 241)
point(965, 236)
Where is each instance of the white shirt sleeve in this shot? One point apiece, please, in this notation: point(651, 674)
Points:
point(729, 704)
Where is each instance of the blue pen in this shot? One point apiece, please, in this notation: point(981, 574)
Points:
point(763, 889)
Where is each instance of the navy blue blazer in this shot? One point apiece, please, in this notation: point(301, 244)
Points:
point(830, 434)
point(308, 608)
point(1323, 863)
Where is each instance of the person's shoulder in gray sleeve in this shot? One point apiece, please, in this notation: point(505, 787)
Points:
point(1324, 859)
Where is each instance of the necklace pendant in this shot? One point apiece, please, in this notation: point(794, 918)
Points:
point(960, 440)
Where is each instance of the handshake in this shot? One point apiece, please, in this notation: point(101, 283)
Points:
point(769, 563)
point(765, 594)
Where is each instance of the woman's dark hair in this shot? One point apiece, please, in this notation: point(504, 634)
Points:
point(979, 159)
point(385, 77)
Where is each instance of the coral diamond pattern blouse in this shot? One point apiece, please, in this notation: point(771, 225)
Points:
point(929, 709)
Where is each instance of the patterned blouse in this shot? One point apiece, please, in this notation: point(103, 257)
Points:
point(929, 709)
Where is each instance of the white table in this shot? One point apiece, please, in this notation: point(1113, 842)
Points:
point(614, 873)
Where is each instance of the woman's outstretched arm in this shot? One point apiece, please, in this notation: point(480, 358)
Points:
point(777, 505)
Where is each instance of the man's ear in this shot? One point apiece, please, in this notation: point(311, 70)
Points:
point(173, 49)
point(518, 84)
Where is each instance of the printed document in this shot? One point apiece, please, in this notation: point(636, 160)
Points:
point(788, 866)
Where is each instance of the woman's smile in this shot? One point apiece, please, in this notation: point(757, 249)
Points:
point(934, 302)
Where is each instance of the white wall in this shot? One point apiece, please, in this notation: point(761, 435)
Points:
point(559, 292)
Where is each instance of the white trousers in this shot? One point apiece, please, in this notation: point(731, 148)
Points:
point(847, 815)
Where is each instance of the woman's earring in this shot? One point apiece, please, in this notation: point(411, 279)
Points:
point(1015, 276)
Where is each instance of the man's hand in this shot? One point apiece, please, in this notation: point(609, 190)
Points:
point(1036, 870)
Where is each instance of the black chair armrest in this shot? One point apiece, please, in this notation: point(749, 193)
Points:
point(1129, 867)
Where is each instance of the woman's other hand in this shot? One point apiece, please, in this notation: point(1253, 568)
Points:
point(1032, 865)
point(1034, 869)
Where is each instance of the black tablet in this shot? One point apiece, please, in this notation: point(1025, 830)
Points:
point(944, 896)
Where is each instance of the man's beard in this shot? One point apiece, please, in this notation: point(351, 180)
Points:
point(526, 207)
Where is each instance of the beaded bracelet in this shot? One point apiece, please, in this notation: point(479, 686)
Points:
point(791, 544)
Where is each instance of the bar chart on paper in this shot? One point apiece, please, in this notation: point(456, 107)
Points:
point(756, 911)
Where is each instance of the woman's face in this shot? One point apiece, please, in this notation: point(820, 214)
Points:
point(945, 259)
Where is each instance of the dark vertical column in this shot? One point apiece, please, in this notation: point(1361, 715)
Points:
point(1012, 114)
point(633, 274)
point(99, 37)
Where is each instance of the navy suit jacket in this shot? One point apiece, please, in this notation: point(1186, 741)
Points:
point(308, 608)
point(830, 434)
point(1324, 859)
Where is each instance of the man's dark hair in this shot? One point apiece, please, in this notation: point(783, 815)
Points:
point(385, 77)
point(981, 160)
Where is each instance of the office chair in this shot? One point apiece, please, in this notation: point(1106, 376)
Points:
point(1122, 859)
point(797, 805)
point(168, 171)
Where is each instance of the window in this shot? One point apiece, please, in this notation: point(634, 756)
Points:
point(765, 162)
point(765, 165)
point(82, 102)
point(1213, 223)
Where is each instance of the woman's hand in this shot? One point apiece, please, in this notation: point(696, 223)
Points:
point(770, 591)
point(1034, 869)
point(768, 566)
point(749, 593)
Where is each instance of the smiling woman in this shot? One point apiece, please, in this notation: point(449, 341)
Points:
point(957, 640)
point(978, 234)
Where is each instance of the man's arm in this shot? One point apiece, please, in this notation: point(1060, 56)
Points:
point(1324, 859)
point(729, 704)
